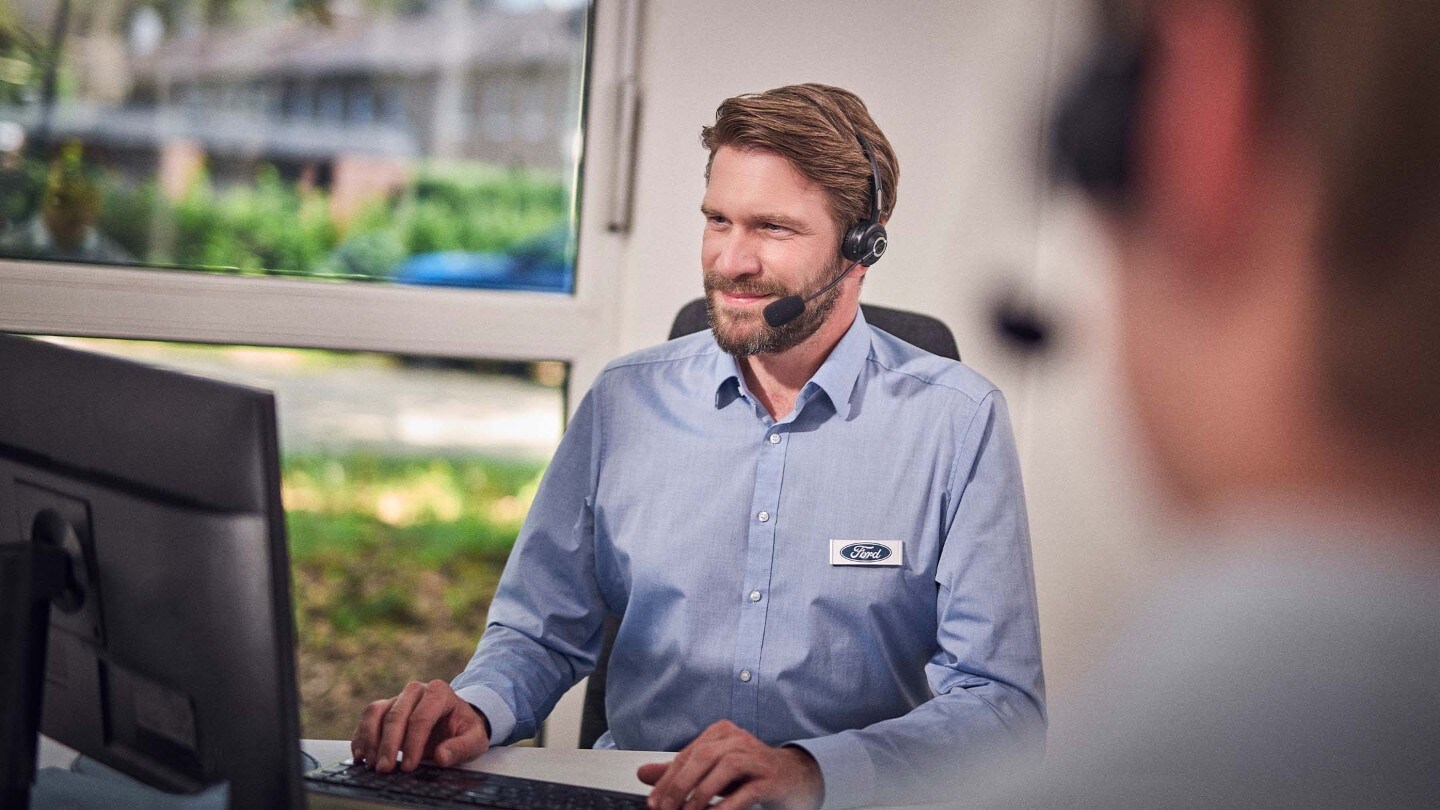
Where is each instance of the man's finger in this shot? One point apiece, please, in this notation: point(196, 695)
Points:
point(731, 770)
point(651, 772)
point(367, 732)
point(465, 747)
point(690, 764)
point(689, 768)
point(667, 778)
point(749, 794)
point(392, 728)
point(429, 710)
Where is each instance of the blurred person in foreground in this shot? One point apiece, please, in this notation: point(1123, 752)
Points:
point(1273, 196)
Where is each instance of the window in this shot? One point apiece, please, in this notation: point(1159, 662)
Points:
point(264, 306)
point(136, 145)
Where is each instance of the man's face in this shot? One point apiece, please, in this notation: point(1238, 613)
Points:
point(768, 234)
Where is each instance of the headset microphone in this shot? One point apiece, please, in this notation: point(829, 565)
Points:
point(864, 243)
point(784, 310)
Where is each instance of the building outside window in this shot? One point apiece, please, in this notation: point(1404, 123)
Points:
point(126, 141)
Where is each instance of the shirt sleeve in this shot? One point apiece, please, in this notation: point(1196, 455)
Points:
point(545, 624)
point(985, 675)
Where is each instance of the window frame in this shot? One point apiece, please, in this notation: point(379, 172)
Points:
point(85, 300)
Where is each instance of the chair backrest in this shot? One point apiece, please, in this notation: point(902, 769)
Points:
point(922, 331)
point(918, 330)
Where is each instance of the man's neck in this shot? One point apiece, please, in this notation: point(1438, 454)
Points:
point(776, 379)
point(1342, 474)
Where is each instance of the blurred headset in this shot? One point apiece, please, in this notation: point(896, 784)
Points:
point(1094, 126)
point(1092, 146)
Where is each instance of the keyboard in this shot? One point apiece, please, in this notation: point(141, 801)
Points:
point(434, 786)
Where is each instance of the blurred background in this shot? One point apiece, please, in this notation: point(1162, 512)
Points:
point(427, 224)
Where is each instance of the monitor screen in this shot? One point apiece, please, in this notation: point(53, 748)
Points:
point(171, 653)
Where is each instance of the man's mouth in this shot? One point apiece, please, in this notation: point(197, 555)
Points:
point(737, 299)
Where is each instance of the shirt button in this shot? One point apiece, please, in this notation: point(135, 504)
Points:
point(744, 676)
point(774, 438)
point(764, 517)
point(754, 596)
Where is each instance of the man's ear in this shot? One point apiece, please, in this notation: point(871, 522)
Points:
point(1198, 124)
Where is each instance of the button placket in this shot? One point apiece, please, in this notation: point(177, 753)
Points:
point(770, 461)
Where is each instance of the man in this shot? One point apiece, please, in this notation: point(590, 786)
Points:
point(1276, 214)
point(704, 490)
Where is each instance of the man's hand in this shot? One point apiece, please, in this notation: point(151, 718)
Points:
point(426, 720)
point(725, 760)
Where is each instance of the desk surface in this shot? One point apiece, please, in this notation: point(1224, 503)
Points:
point(610, 770)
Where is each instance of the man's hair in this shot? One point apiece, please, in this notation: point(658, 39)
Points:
point(813, 126)
point(1357, 84)
point(1361, 80)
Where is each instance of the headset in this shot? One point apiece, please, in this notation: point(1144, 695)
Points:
point(1094, 126)
point(1092, 146)
point(865, 241)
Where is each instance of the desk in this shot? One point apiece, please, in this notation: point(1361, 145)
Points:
point(610, 770)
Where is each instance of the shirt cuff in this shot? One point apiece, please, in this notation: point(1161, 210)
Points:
point(845, 769)
point(496, 711)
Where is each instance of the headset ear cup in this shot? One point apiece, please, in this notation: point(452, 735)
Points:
point(852, 247)
point(865, 243)
point(1094, 123)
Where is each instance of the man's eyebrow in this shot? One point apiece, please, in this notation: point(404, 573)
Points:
point(783, 220)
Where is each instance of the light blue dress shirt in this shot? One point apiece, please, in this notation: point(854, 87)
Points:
point(677, 502)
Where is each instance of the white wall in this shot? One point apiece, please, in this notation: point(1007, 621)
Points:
point(961, 89)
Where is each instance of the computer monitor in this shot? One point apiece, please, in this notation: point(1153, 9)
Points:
point(171, 649)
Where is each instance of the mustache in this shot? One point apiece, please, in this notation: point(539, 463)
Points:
point(716, 283)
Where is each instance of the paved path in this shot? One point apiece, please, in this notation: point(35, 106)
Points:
point(335, 402)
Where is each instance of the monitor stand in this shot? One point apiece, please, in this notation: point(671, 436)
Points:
point(31, 576)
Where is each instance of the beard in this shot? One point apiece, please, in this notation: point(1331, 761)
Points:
point(744, 332)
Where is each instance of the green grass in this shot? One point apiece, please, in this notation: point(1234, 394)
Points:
point(395, 562)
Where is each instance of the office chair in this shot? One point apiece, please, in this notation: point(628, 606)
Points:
point(918, 330)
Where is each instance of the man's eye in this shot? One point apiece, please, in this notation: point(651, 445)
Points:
point(773, 228)
point(715, 219)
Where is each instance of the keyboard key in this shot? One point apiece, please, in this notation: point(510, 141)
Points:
point(433, 786)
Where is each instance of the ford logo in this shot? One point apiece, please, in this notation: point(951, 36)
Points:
point(865, 552)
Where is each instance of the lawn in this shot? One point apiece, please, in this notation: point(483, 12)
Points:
point(394, 564)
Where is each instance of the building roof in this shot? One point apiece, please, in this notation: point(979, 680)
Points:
point(415, 44)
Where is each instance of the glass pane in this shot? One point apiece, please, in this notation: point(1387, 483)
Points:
point(429, 142)
point(405, 481)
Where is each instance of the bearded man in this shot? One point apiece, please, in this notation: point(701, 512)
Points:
point(704, 488)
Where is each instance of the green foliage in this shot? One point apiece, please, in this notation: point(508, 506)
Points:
point(433, 510)
point(274, 226)
point(395, 562)
point(479, 210)
point(23, 184)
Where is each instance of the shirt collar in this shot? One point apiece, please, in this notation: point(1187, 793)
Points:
point(836, 376)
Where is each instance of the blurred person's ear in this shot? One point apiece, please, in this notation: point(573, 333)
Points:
point(1198, 138)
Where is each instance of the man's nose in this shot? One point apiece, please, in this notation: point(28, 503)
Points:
point(737, 255)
